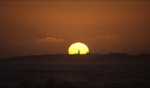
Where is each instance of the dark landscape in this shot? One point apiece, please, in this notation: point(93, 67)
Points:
point(74, 43)
point(114, 70)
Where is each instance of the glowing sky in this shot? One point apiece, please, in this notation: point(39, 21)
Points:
point(40, 27)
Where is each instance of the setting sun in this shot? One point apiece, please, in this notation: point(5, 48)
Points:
point(78, 48)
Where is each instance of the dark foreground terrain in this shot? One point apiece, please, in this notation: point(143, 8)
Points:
point(64, 71)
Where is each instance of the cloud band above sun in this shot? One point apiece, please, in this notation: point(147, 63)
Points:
point(49, 39)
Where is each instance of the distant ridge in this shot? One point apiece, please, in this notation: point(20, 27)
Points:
point(89, 58)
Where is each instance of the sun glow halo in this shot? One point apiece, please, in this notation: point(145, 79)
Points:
point(78, 48)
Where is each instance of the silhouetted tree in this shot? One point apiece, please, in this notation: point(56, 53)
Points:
point(116, 87)
point(50, 84)
point(68, 85)
point(5, 87)
point(25, 84)
point(37, 86)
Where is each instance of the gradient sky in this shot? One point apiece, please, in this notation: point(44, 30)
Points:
point(41, 27)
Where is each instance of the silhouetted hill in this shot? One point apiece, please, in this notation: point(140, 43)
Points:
point(90, 58)
point(76, 71)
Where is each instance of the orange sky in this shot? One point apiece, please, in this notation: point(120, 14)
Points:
point(40, 27)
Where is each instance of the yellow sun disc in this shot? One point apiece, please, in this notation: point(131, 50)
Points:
point(78, 48)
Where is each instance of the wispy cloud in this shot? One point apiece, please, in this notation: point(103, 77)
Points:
point(107, 36)
point(49, 39)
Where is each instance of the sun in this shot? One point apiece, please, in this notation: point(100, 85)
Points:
point(78, 48)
